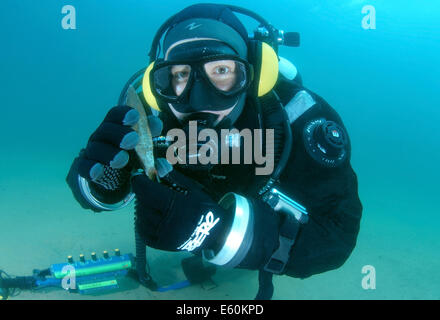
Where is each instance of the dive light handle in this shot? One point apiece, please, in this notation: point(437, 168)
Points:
point(282, 203)
point(19, 283)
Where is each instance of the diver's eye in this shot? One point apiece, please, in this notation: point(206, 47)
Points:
point(181, 76)
point(222, 73)
point(222, 70)
point(180, 73)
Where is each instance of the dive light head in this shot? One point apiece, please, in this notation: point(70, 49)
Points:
point(276, 37)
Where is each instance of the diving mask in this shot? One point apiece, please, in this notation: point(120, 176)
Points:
point(226, 75)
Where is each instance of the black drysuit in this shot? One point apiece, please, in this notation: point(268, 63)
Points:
point(330, 194)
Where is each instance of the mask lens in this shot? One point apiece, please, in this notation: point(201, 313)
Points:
point(171, 81)
point(228, 76)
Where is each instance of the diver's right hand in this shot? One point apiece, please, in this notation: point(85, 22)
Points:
point(109, 144)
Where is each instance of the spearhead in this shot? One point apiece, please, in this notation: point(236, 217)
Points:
point(144, 148)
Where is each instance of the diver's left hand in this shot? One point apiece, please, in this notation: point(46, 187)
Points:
point(181, 216)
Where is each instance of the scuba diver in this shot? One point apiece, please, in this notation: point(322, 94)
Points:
point(299, 220)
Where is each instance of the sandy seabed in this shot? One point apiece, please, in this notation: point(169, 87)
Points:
point(41, 224)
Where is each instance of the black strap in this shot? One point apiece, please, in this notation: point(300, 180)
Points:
point(277, 262)
point(288, 232)
point(265, 289)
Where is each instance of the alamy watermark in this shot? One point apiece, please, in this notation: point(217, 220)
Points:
point(369, 20)
point(69, 20)
point(369, 280)
point(207, 147)
point(69, 280)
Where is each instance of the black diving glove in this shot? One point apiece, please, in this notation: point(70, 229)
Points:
point(108, 146)
point(104, 162)
point(178, 214)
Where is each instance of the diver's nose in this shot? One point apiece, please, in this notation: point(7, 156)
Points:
point(199, 97)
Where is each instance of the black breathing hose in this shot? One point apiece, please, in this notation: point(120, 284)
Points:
point(287, 149)
point(142, 268)
point(130, 81)
point(282, 135)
